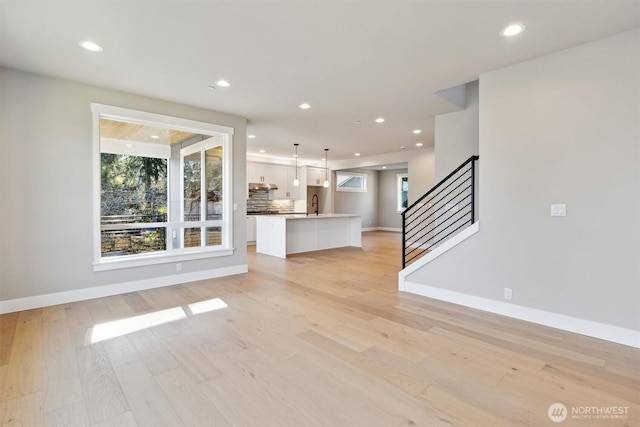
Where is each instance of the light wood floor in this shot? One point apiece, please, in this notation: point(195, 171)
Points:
point(320, 339)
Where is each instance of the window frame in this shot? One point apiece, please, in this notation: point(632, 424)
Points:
point(399, 179)
point(170, 254)
point(362, 189)
point(200, 148)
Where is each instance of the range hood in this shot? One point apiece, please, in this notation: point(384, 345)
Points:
point(262, 186)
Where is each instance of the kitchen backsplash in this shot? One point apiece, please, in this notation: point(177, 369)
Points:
point(259, 202)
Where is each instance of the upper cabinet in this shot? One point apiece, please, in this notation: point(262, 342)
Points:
point(283, 177)
point(280, 175)
point(315, 176)
point(254, 172)
point(268, 174)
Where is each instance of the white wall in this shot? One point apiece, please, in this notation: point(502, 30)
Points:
point(563, 128)
point(421, 167)
point(421, 173)
point(457, 135)
point(363, 204)
point(388, 215)
point(378, 205)
point(46, 177)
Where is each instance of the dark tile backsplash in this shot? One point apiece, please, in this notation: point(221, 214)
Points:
point(259, 202)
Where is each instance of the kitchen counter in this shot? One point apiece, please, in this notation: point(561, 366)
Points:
point(281, 235)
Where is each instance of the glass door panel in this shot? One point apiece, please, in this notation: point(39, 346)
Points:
point(213, 182)
point(192, 184)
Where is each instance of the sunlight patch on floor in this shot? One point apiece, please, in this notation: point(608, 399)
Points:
point(118, 328)
point(206, 306)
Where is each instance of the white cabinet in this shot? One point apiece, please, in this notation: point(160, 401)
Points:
point(251, 229)
point(254, 172)
point(259, 172)
point(315, 176)
point(268, 174)
point(279, 235)
point(280, 175)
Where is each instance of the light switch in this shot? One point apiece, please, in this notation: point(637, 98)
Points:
point(559, 210)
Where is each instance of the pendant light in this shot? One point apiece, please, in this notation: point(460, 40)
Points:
point(296, 181)
point(326, 168)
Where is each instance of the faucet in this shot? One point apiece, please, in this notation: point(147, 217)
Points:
point(314, 202)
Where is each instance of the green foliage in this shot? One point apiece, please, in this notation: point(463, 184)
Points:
point(133, 186)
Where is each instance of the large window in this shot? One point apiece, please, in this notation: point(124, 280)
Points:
point(162, 188)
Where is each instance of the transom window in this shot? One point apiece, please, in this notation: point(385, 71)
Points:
point(162, 188)
point(351, 181)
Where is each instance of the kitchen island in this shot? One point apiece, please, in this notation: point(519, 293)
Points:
point(280, 235)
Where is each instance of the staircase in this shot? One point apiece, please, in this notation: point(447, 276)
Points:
point(441, 213)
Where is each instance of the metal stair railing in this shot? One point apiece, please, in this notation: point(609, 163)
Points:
point(440, 213)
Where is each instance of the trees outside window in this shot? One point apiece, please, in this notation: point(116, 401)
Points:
point(133, 190)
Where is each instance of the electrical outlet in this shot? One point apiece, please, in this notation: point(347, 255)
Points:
point(559, 210)
point(179, 266)
point(508, 293)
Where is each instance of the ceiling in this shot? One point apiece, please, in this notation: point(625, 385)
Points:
point(352, 61)
point(125, 131)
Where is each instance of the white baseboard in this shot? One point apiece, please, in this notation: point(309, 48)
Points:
point(395, 230)
point(589, 328)
point(38, 301)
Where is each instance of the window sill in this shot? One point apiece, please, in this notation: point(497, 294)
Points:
point(130, 261)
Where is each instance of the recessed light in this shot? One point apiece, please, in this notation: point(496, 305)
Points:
point(155, 136)
point(223, 83)
point(211, 87)
point(91, 46)
point(403, 147)
point(251, 136)
point(263, 151)
point(417, 131)
point(357, 154)
point(384, 167)
point(379, 120)
point(419, 144)
point(512, 30)
point(359, 122)
point(305, 106)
